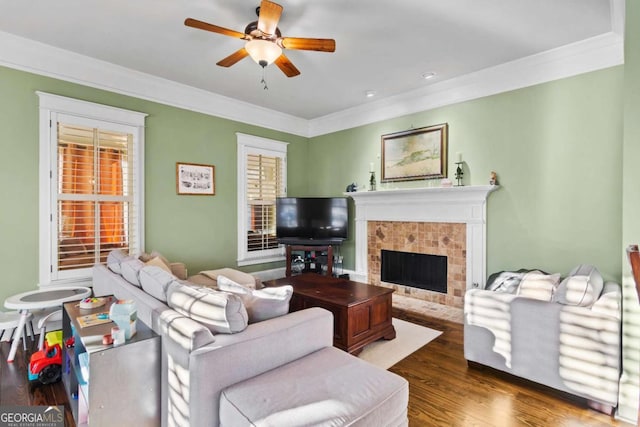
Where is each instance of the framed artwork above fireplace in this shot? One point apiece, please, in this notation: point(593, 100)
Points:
point(415, 154)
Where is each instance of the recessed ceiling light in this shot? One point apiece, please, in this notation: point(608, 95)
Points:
point(428, 75)
point(370, 93)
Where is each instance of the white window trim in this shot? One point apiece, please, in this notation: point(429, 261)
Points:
point(257, 145)
point(50, 107)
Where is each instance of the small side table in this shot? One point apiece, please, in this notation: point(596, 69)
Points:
point(110, 385)
point(39, 299)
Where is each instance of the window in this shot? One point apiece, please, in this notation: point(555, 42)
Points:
point(90, 186)
point(262, 176)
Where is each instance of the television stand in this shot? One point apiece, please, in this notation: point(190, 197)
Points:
point(308, 250)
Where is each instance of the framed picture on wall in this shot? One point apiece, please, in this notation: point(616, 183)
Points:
point(415, 154)
point(192, 178)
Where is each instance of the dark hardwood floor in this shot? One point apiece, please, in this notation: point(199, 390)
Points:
point(444, 391)
point(15, 389)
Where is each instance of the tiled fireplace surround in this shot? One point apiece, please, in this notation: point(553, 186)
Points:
point(433, 238)
point(437, 221)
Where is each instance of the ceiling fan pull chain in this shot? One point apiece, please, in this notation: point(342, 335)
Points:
point(263, 81)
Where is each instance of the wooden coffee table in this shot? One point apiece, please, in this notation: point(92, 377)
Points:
point(362, 313)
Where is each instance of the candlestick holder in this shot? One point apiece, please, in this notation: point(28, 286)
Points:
point(372, 181)
point(459, 174)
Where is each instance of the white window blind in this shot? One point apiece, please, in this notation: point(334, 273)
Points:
point(264, 184)
point(262, 166)
point(91, 186)
point(95, 206)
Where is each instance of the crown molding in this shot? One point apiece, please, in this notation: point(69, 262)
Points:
point(39, 58)
point(591, 54)
point(588, 55)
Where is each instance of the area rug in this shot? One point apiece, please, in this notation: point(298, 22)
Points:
point(409, 338)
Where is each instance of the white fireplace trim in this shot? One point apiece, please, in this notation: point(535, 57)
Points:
point(454, 204)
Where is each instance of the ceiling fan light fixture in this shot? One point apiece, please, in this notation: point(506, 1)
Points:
point(263, 40)
point(263, 52)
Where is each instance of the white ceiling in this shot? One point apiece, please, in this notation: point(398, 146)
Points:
point(380, 45)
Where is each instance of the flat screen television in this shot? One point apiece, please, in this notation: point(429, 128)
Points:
point(311, 220)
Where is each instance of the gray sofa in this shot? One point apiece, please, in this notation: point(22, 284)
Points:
point(570, 342)
point(278, 372)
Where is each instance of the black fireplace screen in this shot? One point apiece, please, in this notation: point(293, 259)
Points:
point(422, 271)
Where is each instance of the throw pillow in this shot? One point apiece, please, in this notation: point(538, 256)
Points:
point(505, 281)
point(239, 277)
point(158, 261)
point(221, 312)
point(269, 303)
point(227, 285)
point(144, 256)
point(261, 304)
point(131, 269)
point(155, 281)
point(114, 259)
point(538, 285)
point(582, 287)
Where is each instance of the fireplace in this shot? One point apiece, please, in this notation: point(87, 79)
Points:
point(444, 240)
point(416, 270)
point(449, 222)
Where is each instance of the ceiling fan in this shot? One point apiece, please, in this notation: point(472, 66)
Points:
point(264, 42)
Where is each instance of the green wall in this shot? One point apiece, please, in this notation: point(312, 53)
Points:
point(631, 146)
point(199, 230)
point(557, 148)
point(629, 384)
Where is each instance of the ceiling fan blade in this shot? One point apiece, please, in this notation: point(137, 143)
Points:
point(286, 66)
point(233, 58)
point(269, 16)
point(190, 22)
point(297, 43)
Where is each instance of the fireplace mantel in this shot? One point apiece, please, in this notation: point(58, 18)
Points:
point(435, 204)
